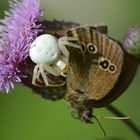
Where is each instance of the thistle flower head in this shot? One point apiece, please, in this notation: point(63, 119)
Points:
point(17, 31)
point(131, 42)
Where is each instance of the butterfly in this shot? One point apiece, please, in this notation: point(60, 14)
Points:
point(97, 75)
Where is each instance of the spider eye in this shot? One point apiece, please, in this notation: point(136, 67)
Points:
point(92, 48)
point(104, 64)
point(112, 68)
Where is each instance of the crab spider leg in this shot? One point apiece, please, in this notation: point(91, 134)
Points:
point(65, 41)
point(64, 50)
point(65, 71)
point(64, 38)
point(64, 59)
point(36, 74)
point(44, 76)
point(49, 69)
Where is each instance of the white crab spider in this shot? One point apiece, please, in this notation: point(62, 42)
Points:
point(51, 56)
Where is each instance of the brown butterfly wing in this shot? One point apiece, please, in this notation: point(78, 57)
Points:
point(87, 77)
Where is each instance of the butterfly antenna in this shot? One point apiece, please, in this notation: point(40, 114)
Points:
point(103, 130)
point(114, 118)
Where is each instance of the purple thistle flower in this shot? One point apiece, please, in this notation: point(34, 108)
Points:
point(17, 31)
point(131, 42)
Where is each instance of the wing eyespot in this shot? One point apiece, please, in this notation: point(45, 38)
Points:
point(92, 48)
point(104, 64)
point(112, 68)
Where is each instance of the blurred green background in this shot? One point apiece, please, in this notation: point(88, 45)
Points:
point(26, 116)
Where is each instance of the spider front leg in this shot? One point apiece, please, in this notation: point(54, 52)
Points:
point(67, 41)
point(44, 70)
point(36, 74)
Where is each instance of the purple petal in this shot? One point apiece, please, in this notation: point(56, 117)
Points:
point(17, 31)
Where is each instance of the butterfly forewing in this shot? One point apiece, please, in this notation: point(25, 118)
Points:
point(97, 74)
